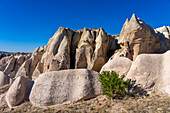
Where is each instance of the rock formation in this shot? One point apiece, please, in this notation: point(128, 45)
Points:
point(78, 49)
point(136, 37)
point(56, 68)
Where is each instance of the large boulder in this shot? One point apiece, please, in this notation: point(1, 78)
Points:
point(136, 37)
point(19, 91)
point(151, 72)
point(120, 65)
point(65, 86)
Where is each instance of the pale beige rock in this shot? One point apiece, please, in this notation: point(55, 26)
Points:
point(10, 66)
point(136, 37)
point(4, 79)
point(19, 61)
point(99, 57)
point(92, 55)
point(65, 86)
point(58, 51)
point(4, 61)
point(164, 35)
point(84, 51)
point(151, 72)
point(35, 59)
point(36, 50)
point(39, 49)
point(24, 70)
point(78, 49)
point(2, 100)
point(19, 91)
point(120, 65)
point(38, 70)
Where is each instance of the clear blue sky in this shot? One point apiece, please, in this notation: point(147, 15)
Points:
point(27, 24)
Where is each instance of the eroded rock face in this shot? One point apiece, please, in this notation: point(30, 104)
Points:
point(136, 37)
point(18, 91)
point(57, 55)
point(78, 49)
point(65, 86)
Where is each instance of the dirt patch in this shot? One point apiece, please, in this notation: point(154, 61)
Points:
point(101, 104)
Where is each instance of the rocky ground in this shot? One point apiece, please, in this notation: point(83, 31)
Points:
point(152, 104)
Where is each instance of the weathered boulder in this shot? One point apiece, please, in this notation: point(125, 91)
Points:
point(35, 59)
point(151, 72)
point(19, 61)
point(164, 35)
point(10, 66)
point(38, 70)
point(136, 37)
point(120, 65)
point(19, 91)
point(24, 70)
point(3, 62)
point(4, 79)
point(2, 100)
point(65, 86)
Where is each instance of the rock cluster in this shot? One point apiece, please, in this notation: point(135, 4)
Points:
point(53, 74)
point(86, 48)
point(149, 71)
point(50, 88)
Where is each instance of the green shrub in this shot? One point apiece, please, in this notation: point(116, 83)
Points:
point(113, 86)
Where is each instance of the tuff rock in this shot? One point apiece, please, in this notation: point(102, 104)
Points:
point(65, 86)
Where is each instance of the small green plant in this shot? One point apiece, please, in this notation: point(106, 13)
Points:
point(71, 107)
point(42, 50)
point(92, 108)
point(113, 86)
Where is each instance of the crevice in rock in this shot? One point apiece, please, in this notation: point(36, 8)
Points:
point(72, 55)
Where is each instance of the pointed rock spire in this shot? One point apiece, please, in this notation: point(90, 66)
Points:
point(133, 23)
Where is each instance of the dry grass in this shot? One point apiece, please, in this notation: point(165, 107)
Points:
point(102, 104)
